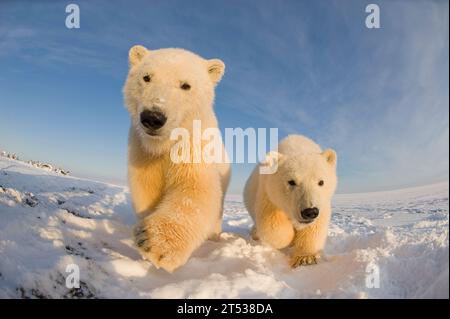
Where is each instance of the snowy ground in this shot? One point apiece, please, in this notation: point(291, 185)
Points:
point(48, 221)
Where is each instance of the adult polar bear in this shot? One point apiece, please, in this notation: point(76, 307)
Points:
point(178, 205)
point(292, 206)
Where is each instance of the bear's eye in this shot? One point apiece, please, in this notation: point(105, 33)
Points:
point(185, 86)
point(321, 182)
point(147, 78)
point(292, 182)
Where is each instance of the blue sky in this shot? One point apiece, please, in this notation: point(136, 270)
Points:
point(379, 97)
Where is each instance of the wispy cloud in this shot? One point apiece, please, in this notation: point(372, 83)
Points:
point(379, 97)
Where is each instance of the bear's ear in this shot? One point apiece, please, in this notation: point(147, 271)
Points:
point(330, 156)
point(270, 163)
point(136, 54)
point(216, 69)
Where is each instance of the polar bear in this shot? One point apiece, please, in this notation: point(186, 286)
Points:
point(178, 205)
point(292, 206)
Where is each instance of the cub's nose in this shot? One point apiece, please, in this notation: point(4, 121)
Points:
point(153, 120)
point(310, 213)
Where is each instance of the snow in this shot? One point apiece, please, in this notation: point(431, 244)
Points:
point(49, 221)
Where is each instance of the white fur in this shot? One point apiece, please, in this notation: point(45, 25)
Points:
point(275, 206)
point(179, 205)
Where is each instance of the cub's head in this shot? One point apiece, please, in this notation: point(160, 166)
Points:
point(167, 89)
point(302, 185)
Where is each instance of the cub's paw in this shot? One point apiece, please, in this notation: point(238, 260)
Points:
point(254, 234)
point(297, 261)
point(162, 243)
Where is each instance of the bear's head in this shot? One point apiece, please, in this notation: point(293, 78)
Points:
point(302, 185)
point(167, 89)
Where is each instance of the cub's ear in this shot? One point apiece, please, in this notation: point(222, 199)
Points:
point(330, 156)
point(136, 54)
point(216, 69)
point(270, 164)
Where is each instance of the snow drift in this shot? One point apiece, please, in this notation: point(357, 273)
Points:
point(49, 220)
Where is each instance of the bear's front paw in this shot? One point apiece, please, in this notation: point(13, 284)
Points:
point(304, 260)
point(162, 243)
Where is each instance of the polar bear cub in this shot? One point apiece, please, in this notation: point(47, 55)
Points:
point(179, 205)
point(292, 206)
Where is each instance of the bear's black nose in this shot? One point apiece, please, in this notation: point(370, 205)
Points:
point(310, 213)
point(153, 120)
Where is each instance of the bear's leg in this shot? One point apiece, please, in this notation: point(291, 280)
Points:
point(253, 233)
point(184, 218)
point(274, 228)
point(215, 236)
point(309, 242)
point(224, 173)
